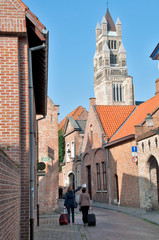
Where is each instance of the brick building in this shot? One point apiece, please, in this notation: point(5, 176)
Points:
point(23, 54)
point(103, 121)
point(73, 132)
point(109, 169)
point(48, 153)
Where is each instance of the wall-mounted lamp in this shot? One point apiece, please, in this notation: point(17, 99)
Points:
point(149, 120)
point(68, 152)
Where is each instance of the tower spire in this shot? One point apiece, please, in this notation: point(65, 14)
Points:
point(107, 4)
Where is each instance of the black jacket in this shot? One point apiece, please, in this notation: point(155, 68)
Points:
point(70, 197)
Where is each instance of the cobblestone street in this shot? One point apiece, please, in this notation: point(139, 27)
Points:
point(112, 224)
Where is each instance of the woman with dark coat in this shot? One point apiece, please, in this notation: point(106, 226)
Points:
point(84, 203)
point(69, 202)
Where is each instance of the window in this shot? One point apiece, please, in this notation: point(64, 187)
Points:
point(117, 89)
point(100, 47)
point(114, 96)
point(113, 59)
point(109, 44)
point(98, 176)
point(123, 63)
point(100, 61)
point(121, 97)
point(72, 149)
point(117, 92)
point(112, 44)
point(104, 176)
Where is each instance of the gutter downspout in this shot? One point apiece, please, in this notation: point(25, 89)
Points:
point(37, 165)
point(109, 175)
point(31, 136)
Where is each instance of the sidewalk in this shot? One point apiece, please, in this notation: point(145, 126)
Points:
point(152, 216)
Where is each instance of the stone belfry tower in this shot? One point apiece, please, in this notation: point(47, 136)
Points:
point(112, 85)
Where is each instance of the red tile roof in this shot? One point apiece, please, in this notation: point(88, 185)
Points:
point(137, 117)
point(75, 113)
point(112, 117)
point(28, 10)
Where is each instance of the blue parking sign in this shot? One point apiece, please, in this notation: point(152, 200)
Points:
point(134, 148)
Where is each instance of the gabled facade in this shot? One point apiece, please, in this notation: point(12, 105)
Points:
point(71, 168)
point(112, 85)
point(103, 121)
point(23, 91)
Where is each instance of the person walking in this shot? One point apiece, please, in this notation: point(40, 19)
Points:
point(84, 203)
point(69, 202)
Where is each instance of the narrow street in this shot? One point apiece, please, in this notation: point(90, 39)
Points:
point(111, 225)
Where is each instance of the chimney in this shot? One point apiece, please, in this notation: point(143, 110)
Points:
point(92, 101)
point(157, 86)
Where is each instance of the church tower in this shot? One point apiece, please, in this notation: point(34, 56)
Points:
point(112, 85)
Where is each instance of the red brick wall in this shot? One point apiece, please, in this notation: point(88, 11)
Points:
point(12, 16)
point(9, 108)
point(9, 199)
point(48, 138)
point(121, 164)
point(14, 117)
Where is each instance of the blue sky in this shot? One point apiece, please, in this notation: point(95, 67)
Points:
point(71, 26)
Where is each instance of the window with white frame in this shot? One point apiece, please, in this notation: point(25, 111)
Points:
point(72, 149)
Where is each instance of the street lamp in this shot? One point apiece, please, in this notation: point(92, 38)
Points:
point(149, 120)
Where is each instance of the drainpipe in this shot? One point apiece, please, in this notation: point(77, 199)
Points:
point(37, 165)
point(32, 139)
point(109, 175)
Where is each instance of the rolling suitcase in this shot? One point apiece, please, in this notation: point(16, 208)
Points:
point(91, 219)
point(63, 219)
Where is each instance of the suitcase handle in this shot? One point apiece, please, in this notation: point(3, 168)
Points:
point(65, 210)
point(91, 210)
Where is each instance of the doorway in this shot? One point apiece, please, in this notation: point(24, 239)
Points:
point(154, 180)
point(116, 197)
point(72, 180)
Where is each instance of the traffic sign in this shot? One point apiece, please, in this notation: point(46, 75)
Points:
point(134, 148)
point(135, 159)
